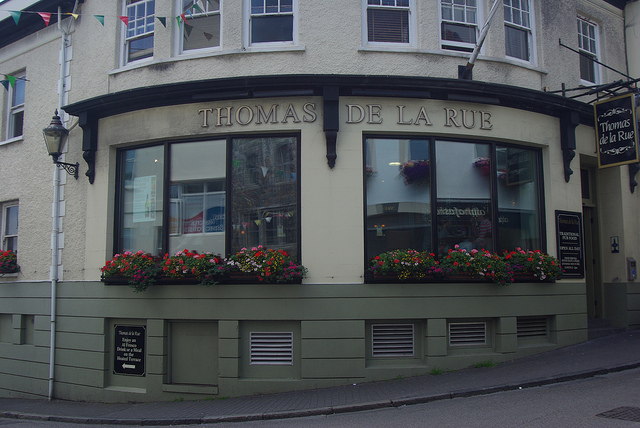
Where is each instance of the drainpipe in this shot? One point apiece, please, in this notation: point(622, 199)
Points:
point(483, 34)
point(55, 212)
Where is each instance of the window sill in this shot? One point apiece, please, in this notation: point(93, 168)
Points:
point(12, 140)
point(205, 54)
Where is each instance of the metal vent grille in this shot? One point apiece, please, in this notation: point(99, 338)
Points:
point(532, 327)
point(271, 348)
point(392, 340)
point(468, 334)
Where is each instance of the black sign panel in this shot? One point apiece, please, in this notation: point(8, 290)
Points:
point(616, 131)
point(129, 350)
point(570, 245)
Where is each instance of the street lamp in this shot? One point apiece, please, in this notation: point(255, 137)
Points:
point(55, 136)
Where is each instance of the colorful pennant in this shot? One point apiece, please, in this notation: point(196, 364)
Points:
point(46, 17)
point(100, 19)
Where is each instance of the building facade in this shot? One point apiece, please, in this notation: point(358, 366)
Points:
point(219, 125)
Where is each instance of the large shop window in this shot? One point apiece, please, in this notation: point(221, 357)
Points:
point(432, 194)
point(211, 196)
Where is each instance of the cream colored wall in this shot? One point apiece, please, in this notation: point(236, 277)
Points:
point(632, 16)
point(332, 209)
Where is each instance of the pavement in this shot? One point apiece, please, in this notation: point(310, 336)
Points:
point(612, 353)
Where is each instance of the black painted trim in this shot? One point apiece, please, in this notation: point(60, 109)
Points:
point(30, 23)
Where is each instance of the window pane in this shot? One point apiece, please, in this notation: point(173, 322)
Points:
point(286, 6)
point(517, 43)
point(464, 197)
point(278, 28)
point(198, 197)
point(257, 6)
point(141, 199)
point(141, 48)
point(11, 222)
point(17, 96)
point(385, 25)
point(458, 32)
point(587, 69)
point(398, 190)
point(518, 199)
point(207, 38)
point(264, 193)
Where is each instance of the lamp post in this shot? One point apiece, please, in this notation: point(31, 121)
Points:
point(55, 136)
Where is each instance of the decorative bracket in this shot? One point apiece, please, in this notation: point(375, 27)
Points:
point(331, 95)
point(568, 124)
point(89, 125)
point(633, 170)
point(71, 168)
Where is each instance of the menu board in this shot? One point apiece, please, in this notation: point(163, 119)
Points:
point(616, 131)
point(570, 246)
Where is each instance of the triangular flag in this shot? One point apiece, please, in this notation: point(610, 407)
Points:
point(162, 20)
point(46, 17)
point(184, 19)
point(188, 29)
point(124, 19)
point(268, 219)
point(196, 7)
point(5, 83)
point(211, 3)
point(12, 80)
point(15, 15)
point(257, 222)
point(264, 170)
point(75, 15)
point(178, 21)
point(208, 36)
point(100, 18)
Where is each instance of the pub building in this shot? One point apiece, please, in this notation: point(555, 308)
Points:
point(220, 126)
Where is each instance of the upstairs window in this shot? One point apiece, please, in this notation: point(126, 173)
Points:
point(517, 29)
point(203, 29)
point(139, 32)
point(459, 26)
point(9, 217)
point(15, 118)
point(388, 21)
point(588, 47)
point(271, 21)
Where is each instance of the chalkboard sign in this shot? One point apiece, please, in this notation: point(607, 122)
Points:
point(570, 245)
point(129, 350)
point(616, 131)
point(519, 166)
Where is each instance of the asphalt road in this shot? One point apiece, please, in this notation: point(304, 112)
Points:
point(572, 404)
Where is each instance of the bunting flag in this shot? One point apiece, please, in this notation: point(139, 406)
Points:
point(15, 15)
point(196, 7)
point(187, 29)
point(184, 19)
point(124, 19)
point(162, 20)
point(75, 15)
point(12, 80)
point(207, 36)
point(46, 17)
point(178, 21)
point(257, 222)
point(5, 83)
point(100, 18)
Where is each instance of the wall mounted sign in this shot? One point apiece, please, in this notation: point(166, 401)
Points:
point(570, 246)
point(129, 350)
point(616, 131)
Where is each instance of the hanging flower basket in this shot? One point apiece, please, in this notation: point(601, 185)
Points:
point(416, 172)
point(8, 262)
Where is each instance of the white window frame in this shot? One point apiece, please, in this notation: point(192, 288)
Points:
point(15, 109)
point(204, 5)
point(4, 217)
point(530, 30)
point(127, 39)
point(595, 52)
point(248, 23)
point(412, 24)
point(454, 45)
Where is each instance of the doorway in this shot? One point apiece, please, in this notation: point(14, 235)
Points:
point(593, 280)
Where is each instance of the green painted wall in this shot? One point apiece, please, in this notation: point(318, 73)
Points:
point(330, 325)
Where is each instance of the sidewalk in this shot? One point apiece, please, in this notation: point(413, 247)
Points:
point(598, 356)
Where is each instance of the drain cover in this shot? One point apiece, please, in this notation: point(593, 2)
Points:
point(624, 413)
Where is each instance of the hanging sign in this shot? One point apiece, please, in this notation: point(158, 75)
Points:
point(616, 131)
point(570, 245)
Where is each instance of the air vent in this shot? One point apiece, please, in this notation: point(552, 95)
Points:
point(271, 348)
point(532, 327)
point(468, 334)
point(392, 340)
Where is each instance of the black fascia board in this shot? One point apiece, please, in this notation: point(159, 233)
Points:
point(30, 23)
point(620, 4)
point(216, 90)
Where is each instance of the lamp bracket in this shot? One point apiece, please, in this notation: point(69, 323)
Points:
point(71, 168)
